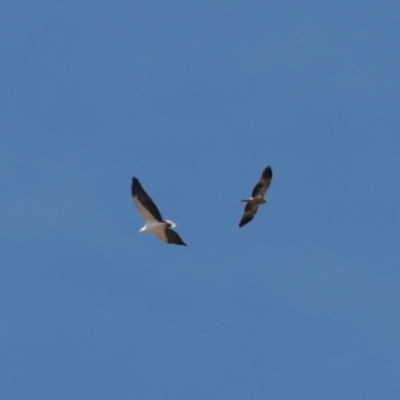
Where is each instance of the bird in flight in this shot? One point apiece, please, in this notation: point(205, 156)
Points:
point(152, 216)
point(257, 197)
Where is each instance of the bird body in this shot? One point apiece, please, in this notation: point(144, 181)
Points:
point(256, 200)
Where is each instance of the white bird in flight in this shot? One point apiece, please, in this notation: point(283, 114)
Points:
point(154, 222)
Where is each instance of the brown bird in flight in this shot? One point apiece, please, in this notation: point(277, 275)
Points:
point(257, 197)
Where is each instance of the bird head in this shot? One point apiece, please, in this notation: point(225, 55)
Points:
point(170, 223)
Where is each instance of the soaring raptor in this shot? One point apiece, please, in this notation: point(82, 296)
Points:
point(257, 197)
point(152, 216)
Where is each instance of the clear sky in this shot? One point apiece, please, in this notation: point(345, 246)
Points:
point(195, 98)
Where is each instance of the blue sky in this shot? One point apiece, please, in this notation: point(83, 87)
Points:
point(195, 99)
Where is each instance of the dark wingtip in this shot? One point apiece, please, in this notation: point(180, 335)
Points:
point(135, 181)
point(245, 221)
point(135, 185)
point(267, 173)
point(180, 243)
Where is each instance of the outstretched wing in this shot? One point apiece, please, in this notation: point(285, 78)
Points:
point(144, 203)
point(263, 184)
point(249, 212)
point(172, 237)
